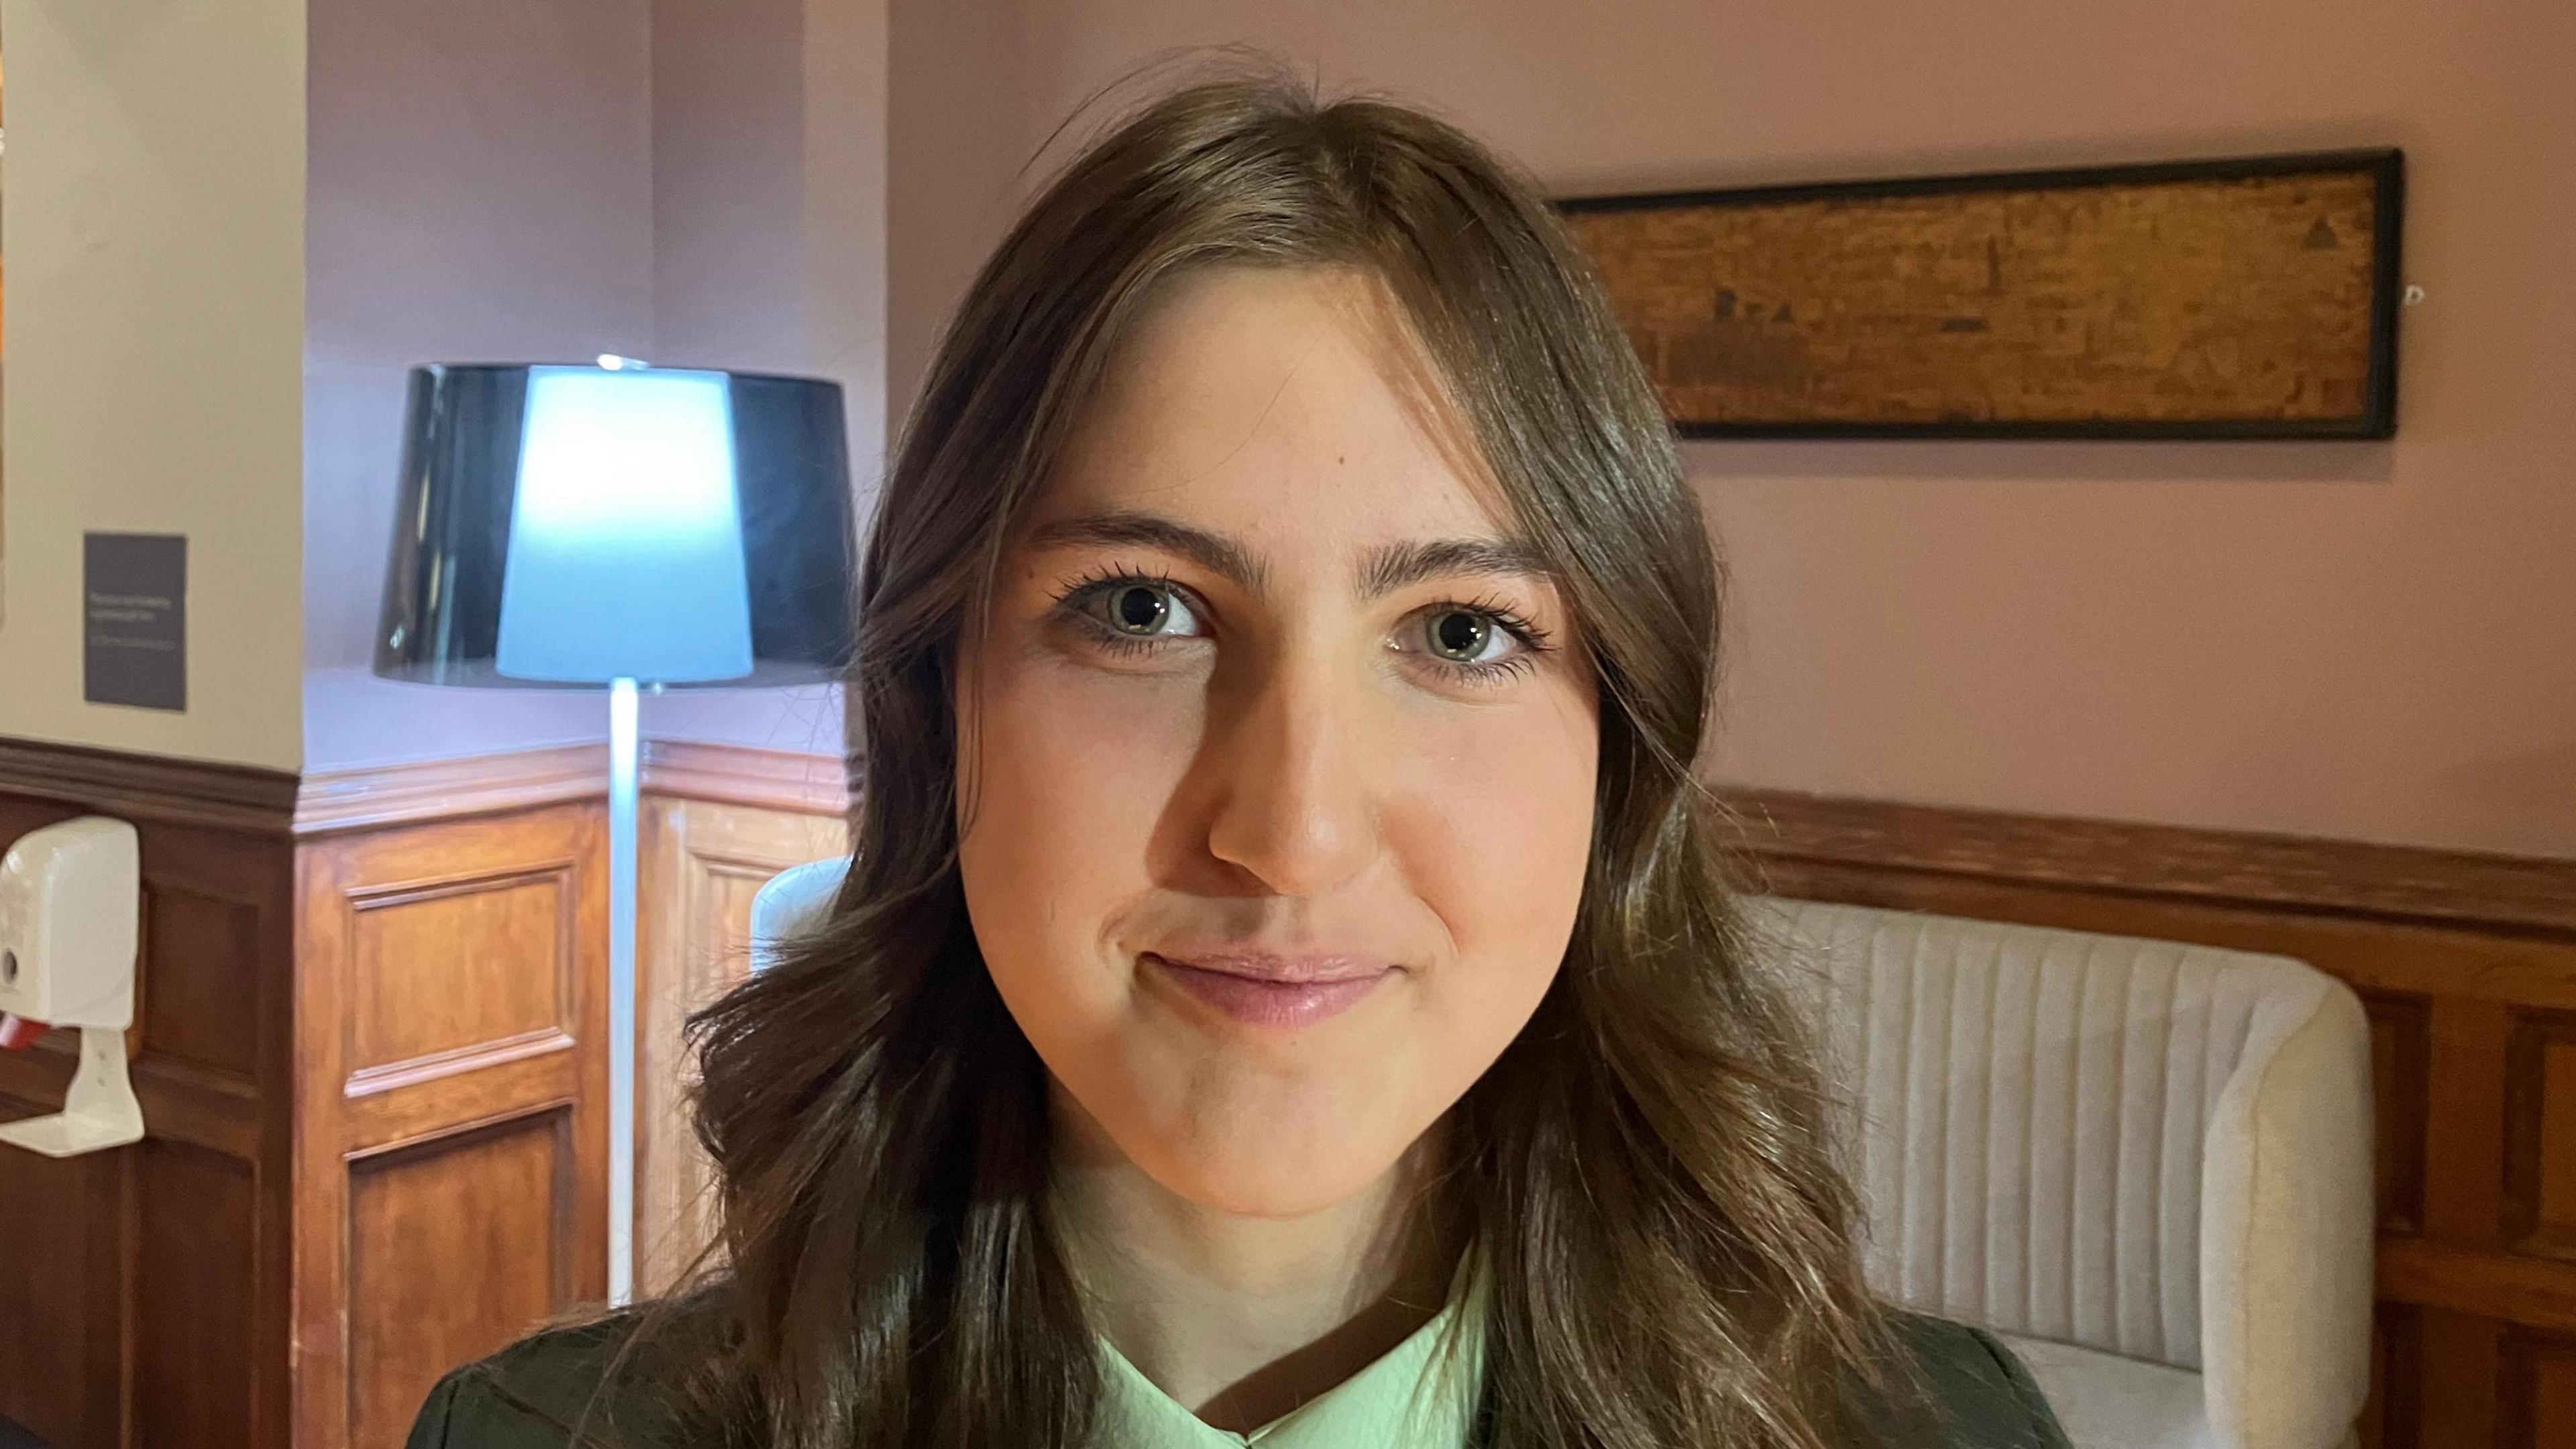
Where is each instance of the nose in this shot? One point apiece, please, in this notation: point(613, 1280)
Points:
point(1292, 807)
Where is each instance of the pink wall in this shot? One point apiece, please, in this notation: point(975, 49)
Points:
point(769, 250)
point(728, 99)
point(480, 188)
point(958, 109)
point(2374, 641)
point(695, 181)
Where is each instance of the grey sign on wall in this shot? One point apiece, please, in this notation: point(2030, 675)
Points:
point(134, 628)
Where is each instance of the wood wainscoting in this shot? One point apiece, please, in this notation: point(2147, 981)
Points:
point(173, 1254)
point(452, 1142)
point(2467, 967)
point(716, 822)
point(370, 1044)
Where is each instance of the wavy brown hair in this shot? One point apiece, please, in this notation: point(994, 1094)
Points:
point(1644, 1168)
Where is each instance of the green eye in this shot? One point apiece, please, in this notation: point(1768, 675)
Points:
point(1460, 636)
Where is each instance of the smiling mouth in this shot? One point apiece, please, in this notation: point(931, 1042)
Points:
point(1272, 993)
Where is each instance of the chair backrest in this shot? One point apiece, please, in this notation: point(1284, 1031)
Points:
point(791, 903)
point(2030, 1109)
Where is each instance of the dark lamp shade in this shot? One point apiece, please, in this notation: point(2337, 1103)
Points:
point(567, 526)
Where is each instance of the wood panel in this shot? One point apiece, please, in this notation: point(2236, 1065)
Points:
point(368, 1003)
point(701, 862)
point(2400, 1069)
point(2538, 1405)
point(195, 1257)
point(494, 1212)
point(2396, 1378)
point(454, 1102)
point(62, 1292)
point(198, 1017)
point(2466, 965)
point(504, 952)
point(2540, 1134)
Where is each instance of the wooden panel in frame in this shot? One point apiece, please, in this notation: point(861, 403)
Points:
point(196, 1254)
point(2540, 1134)
point(2250, 297)
point(2538, 1406)
point(494, 1214)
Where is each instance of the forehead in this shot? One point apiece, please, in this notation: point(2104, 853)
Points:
point(1283, 402)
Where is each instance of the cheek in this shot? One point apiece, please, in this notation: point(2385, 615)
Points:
point(1072, 771)
point(1494, 840)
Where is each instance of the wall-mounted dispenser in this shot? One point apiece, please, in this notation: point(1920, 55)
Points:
point(69, 903)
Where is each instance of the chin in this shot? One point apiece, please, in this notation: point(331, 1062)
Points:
point(1240, 1168)
point(1273, 1187)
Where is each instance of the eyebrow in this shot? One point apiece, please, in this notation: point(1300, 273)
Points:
point(1386, 569)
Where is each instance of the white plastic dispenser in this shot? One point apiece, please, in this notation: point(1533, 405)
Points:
point(70, 900)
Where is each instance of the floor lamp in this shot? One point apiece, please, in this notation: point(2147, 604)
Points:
point(623, 527)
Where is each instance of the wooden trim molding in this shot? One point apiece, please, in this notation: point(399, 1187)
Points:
point(418, 791)
point(413, 792)
point(2390, 881)
point(153, 788)
point(409, 792)
point(796, 782)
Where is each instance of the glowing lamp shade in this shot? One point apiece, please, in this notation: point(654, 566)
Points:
point(568, 526)
point(626, 549)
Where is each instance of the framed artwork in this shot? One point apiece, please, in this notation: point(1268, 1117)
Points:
point(2244, 298)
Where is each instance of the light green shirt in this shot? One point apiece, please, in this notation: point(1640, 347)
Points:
point(1420, 1394)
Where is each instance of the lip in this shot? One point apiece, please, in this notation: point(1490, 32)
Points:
point(1268, 989)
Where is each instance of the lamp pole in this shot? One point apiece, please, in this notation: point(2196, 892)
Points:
point(621, 990)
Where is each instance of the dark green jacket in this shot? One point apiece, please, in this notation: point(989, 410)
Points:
point(528, 1396)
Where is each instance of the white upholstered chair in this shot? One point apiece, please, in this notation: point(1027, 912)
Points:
point(792, 898)
point(2145, 1164)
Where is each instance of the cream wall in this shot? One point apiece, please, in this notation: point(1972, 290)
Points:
point(2365, 640)
point(155, 237)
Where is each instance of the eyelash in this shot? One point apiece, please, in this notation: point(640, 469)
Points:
point(1071, 595)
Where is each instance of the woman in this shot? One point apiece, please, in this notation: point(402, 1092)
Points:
point(1284, 994)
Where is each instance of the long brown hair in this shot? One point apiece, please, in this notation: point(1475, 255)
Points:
point(1668, 1243)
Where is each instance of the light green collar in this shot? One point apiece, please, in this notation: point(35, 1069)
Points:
point(1420, 1394)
